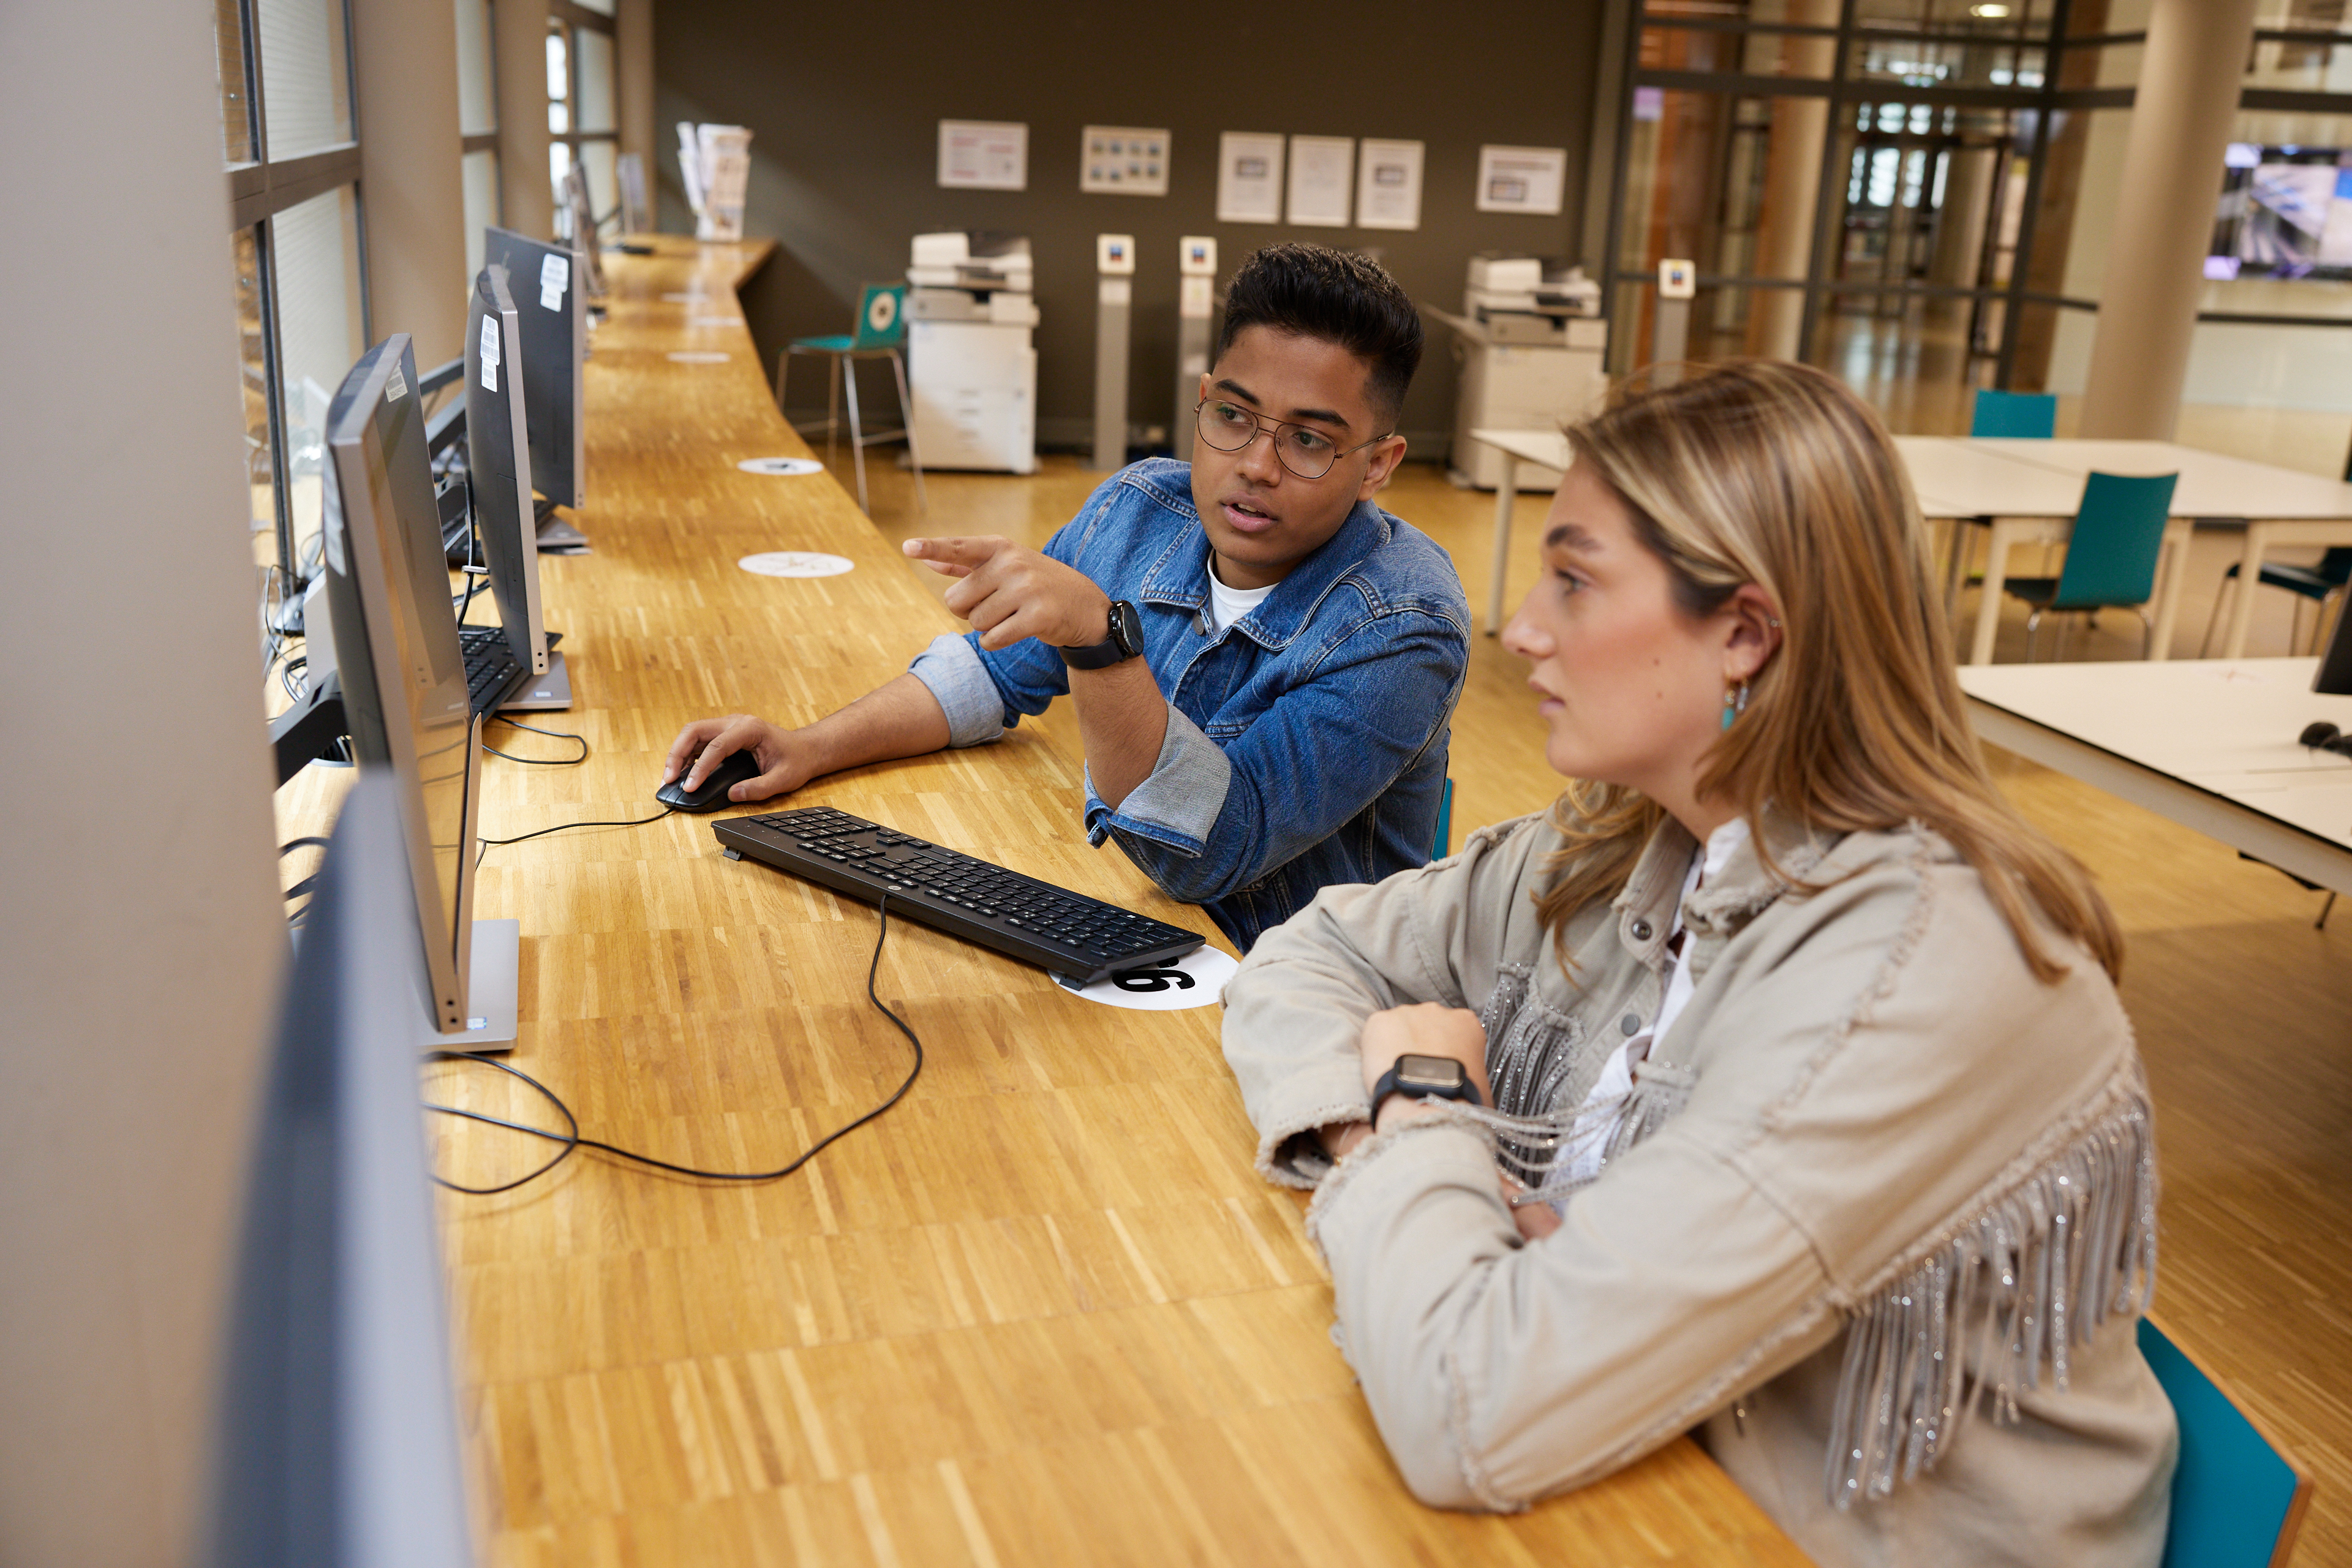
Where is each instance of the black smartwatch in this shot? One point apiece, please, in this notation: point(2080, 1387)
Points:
point(1425, 1077)
point(1126, 641)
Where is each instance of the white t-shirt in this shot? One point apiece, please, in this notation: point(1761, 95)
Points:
point(1580, 1157)
point(1227, 605)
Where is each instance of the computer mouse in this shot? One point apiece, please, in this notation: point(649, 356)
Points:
point(737, 768)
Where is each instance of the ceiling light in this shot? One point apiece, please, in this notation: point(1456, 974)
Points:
point(1991, 11)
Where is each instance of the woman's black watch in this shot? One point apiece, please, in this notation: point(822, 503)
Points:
point(1125, 641)
point(1425, 1077)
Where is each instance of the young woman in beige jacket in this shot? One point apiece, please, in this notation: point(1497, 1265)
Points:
point(1799, 1108)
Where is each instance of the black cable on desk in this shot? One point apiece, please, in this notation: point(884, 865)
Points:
point(571, 1138)
point(565, 827)
point(539, 762)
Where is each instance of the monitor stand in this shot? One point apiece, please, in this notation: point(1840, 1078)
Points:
point(492, 986)
point(543, 694)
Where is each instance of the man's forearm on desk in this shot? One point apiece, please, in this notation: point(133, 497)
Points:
point(898, 719)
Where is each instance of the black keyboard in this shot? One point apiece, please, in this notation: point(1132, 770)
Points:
point(493, 674)
point(492, 671)
point(1081, 939)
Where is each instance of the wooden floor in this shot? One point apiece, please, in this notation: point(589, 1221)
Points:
point(2244, 1010)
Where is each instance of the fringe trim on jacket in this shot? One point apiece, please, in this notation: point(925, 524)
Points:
point(2036, 1272)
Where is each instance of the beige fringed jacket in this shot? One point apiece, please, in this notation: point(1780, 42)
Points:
point(1878, 1217)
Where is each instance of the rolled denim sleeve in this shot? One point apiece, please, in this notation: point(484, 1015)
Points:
point(966, 694)
point(1177, 805)
point(1372, 702)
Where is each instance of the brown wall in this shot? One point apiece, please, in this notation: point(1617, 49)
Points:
point(844, 103)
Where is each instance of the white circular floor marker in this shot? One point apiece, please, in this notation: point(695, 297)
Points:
point(1191, 981)
point(714, 321)
point(780, 467)
point(796, 563)
point(699, 356)
point(685, 299)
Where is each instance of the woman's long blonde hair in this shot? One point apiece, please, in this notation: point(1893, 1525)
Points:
point(1770, 473)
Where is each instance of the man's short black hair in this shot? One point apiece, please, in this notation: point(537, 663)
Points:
point(1351, 301)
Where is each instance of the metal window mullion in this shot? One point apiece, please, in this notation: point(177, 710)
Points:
point(1629, 76)
point(249, 30)
point(262, 191)
point(265, 264)
point(1825, 202)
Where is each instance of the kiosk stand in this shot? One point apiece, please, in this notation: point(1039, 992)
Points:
point(1114, 303)
point(1196, 261)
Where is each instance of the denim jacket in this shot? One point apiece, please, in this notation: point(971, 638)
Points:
point(1305, 742)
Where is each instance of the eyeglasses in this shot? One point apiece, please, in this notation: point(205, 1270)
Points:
point(1308, 453)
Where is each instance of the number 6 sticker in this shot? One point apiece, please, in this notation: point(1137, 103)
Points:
point(1193, 980)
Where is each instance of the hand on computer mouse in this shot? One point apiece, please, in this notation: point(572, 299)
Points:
point(704, 744)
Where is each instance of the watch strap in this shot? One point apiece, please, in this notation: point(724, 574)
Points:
point(1388, 1084)
point(1124, 642)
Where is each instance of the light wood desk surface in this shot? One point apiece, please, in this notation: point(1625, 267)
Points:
point(1043, 1312)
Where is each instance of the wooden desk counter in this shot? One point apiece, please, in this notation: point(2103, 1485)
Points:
point(1043, 1312)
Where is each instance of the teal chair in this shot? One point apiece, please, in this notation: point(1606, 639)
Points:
point(2322, 585)
point(881, 333)
point(2237, 1502)
point(2031, 414)
point(2111, 555)
point(1444, 824)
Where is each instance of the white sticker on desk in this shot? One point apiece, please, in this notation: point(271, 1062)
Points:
point(699, 356)
point(489, 354)
point(685, 299)
point(554, 277)
point(796, 563)
point(780, 467)
point(1193, 980)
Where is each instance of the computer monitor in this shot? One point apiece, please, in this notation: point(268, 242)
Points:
point(554, 321)
point(635, 211)
point(584, 240)
point(396, 654)
point(498, 460)
point(2335, 677)
point(338, 1434)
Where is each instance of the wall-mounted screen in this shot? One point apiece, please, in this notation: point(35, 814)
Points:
point(2285, 212)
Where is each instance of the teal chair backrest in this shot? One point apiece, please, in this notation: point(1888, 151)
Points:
point(2033, 415)
point(2119, 532)
point(881, 317)
point(1444, 824)
point(2235, 1500)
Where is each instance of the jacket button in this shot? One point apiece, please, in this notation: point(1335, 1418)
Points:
point(1630, 1025)
point(1641, 933)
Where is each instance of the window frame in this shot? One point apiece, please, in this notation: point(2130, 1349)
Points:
point(260, 189)
point(1846, 94)
point(573, 19)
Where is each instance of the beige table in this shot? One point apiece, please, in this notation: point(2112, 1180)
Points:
point(2284, 508)
point(2210, 744)
point(1545, 449)
point(2032, 491)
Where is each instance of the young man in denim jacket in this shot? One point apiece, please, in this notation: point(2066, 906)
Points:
point(1264, 661)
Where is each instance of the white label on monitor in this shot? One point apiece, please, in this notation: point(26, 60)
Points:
point(554, 277)
point(489, 354)
point(395, 389)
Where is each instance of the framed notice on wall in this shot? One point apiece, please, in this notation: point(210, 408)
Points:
point(1388, 184)
point(1322, 169)
point(1521, 179)
point(985, 154)
point(1249, 177)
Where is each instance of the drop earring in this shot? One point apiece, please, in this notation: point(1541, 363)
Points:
point(1734, 703)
